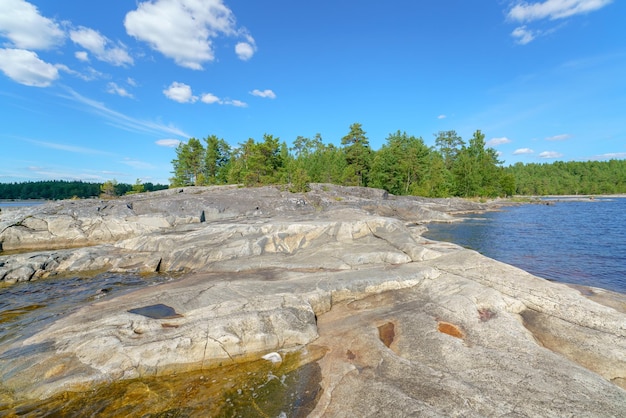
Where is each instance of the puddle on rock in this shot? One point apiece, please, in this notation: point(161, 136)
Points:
point(387, 333)
point(258, 388)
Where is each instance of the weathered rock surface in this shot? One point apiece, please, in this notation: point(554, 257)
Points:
point(410, 327)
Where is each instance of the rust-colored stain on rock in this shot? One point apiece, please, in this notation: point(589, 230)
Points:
point(450, 329)
point(387, 333)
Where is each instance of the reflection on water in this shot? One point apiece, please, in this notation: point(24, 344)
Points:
point(569, 241)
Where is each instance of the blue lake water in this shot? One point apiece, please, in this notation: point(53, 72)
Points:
point(580, 242)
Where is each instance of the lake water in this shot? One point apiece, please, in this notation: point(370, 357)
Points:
point(19, 203)
point(573, 241)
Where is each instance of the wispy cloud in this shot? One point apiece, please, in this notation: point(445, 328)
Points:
point(65, 147)
point(100, 46)
point(121, 120)
point(610, 156)
point(561, 137)
point(553, 9)
point(498, 141)
point(525, 12)
point(139, 165)
point(550, 155)
point(523, 151)
point(266, 94)
point(441, 117)
point(171, 143)
point(113, 88)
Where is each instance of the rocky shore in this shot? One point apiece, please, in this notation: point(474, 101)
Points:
point(395, 324)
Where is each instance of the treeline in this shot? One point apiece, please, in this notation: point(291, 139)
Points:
point(60, 189)
point(572, 177)
point(404, 165)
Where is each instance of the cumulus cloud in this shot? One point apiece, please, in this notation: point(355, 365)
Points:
point(441, 117)
point(100, 46)
point(236, 103)
point(267, 94)
point(171, 143)
point(184, 30)
point(561, 137)
point(180, 92)
point(113, 88)
point(550, 154)
point(210, 98)
point(25, 67)
point(523, 151)
point(498, 141)
point(553, 9)
point(22, 24)
point(245, 50)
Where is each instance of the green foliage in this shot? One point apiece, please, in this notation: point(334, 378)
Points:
point(138, 187)
point(403, 166)
point(358, 156)
point(107, 190)
point(572, 177)
point(61, 189)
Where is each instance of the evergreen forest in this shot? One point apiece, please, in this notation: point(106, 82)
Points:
point(404, 165)
point(61, 189)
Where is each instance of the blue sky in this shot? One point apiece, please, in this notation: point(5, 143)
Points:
point(104, 90)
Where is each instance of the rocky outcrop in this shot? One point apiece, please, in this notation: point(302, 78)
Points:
point(400, 325)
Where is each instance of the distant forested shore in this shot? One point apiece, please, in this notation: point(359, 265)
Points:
point(62, 189)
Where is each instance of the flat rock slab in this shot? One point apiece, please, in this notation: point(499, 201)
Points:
point(405, 326)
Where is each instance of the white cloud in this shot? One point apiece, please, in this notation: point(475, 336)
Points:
point(553, 9)
point(131, 82)
point(113, 88)
point(236, 103)
point(100, 46)
point(123, 121)
point(68, 148)
point(267, 94)
point(180, 92)
point(441, 117)
point(498, 141)
point(522, 151)
point(171, 143)
point(526, 12)
point(139, 165)
point(245, 50)
point(22, 24)
point(210, 98)
point(561, 137)
point(82, 56)
point(610, 156)
point(184, 30)
point(550, 154)
point(523, 35)
point(25, 67)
